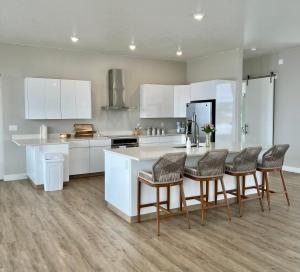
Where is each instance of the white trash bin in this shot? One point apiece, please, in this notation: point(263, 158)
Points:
point(53, 170)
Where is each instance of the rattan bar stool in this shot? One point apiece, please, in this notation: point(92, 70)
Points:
point(272, 160)
point(167, 172)
point(210, 167)
point(243, 165)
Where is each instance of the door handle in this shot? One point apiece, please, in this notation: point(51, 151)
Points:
point(245, 129)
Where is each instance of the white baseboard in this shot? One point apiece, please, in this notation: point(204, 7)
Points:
point(15, 177)
point(291, 169)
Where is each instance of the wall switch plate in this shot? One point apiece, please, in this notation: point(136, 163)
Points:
point(13, 128)
point(280, 61)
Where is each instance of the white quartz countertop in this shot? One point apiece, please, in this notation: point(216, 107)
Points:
point(53, 141)
point(154, 152)
point(23, 140)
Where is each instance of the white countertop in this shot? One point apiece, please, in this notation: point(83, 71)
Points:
point(23, 141)
point(156, 151)
point(53, 141)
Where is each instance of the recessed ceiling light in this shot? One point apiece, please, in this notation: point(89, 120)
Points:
point(198, 16)
point(253, 49)
point(132, 46)
point(74, 39)
point(179, 52)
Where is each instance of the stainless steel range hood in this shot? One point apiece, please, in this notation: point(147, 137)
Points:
point(116, 91)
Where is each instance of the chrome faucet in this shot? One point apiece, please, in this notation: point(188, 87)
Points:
point(195, 130)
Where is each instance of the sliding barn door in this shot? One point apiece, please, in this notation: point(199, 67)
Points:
point(258, 112)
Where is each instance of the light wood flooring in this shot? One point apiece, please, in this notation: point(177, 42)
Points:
point(72, 230)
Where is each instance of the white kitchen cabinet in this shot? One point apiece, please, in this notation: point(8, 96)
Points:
point(96, 159)
point(203, 90)
point(182, 96)
point(172, 139)
point(162, 140)
point(42, 98)
point(156, 101)
point(35, 156)
point(79, 157)
point(97, 154)
point(76, 99)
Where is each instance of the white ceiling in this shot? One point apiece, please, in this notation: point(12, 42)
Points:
point(271, 25)
point(158, 27)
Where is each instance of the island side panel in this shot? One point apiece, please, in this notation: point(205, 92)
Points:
point(118, 182)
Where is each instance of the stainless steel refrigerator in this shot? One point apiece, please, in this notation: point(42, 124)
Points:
point(199, 113)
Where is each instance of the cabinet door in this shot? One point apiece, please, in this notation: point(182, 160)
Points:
point(83, 100)
point(76, 99)
point(42, 97)
point(35, 98)
point(79, 160)
point(156, 101)
point(203, 90)
point(52, 98)
point(181, 98)
point(97, 159)
point(68, 99)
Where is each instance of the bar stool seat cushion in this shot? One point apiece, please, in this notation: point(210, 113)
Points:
point(163, 179)
point(193, 171)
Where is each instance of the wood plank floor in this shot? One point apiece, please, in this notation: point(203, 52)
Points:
point(72, 230)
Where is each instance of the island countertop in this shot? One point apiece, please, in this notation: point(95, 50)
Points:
point(154, 152)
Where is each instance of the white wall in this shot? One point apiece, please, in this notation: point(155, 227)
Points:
point(223, 65)
point(1, 133)
point(18, 62)
point(287, 98)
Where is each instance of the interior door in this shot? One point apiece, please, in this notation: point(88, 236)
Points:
point(1, 133)
point(258, 112)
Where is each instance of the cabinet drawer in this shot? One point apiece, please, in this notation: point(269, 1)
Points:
point(102, 142)
point(176, 139)
point(149, 140)
point(83, 143)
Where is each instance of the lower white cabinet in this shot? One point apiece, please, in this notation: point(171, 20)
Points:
point(97, 159)
point(162, 140)
point(87, 156)
point(34, 160)
point(79, 160)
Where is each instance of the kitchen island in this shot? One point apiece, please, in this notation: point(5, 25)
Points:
point(121, 171)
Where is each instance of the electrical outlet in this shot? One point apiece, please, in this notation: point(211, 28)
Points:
point(280, 61)
point(13, 128)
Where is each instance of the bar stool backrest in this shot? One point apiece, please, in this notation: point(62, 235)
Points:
point(212, 163)
point(169, 167)
point(274, 157)
point(246, 160)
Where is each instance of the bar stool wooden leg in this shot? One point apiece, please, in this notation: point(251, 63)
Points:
point(202, 201)
point(168, 198)
point(216, 191)
point(268, 190)
point(207, 190)
point(284, 187)
point(258, 193)
point(244, 186)
point(180, 199)
point(263, 185)
point(157, 211)
point(139, 201)
point(238, 191)
point(225, 198)
point(185, 206)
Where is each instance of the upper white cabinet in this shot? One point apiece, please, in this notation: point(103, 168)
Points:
point(42, 98)
point(203, 90)
point(57, 99)
point(182, 96)
point(76, 99)
point(156, 101)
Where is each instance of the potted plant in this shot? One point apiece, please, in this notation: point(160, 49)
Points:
point(208, 130)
